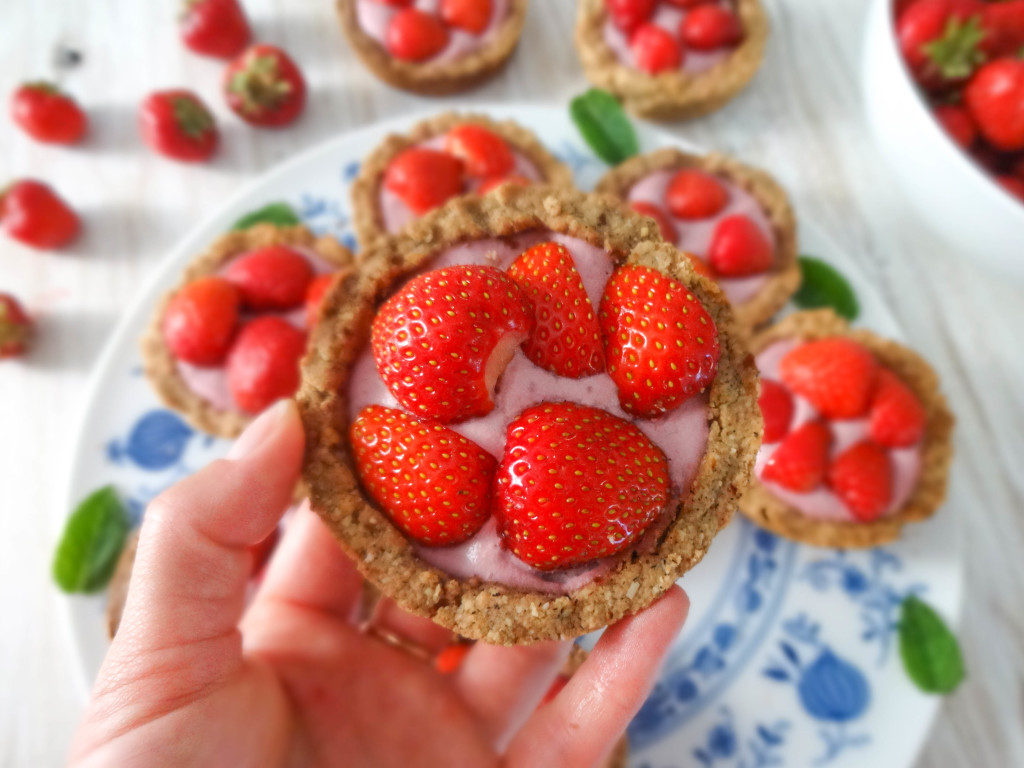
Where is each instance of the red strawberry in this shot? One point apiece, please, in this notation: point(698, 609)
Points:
point(199, 322)
point(897, 417)
point(450, 658)
point(627, 15)
point(482, 152)
point(178, 125)
point(48, 115)
point(263, 364)
point(655, 50)
point(777, 410)
point(688, 3)
point(472, 16)
point(424, 178)
point(708, 27)
point(700, 266)
point(576, 484)
point(566, 338)
point(694, 194)
point(442, 341)
point(836, 375)
point(995, 96)
point(396, 3)
point(1004, 24)
point(415, 36)
point(665, 225)
point(861, 476)
point(271, 278)
point(15, 327)
point(958, 123)
point(661, 345)
point(493, 183)
point(264, 87)
point(215, 28)
point(801, 460)
point(739, 248)
point(315, 296)
point(1012, 185)
point(434, 484)
point(941, 40)
point(32, 213)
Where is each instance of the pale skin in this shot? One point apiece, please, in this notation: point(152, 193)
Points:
point(196, 678)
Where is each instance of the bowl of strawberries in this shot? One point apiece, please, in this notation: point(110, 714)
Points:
point(944, 91)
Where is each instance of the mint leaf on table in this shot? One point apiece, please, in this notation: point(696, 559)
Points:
point(604, 125)
point(279, 214)
point(930, 651)
point(824, 286)
point(92, 541)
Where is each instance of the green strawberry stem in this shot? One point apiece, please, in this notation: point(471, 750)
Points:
point(192, 117)
point(957, 52)
point(259, 85)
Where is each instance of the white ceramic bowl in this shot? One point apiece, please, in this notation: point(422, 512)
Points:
point(960, 200)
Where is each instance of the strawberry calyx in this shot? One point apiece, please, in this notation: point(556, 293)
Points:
point(43, 86)
point(192, 117)
point(13, 331)
point(957, 52)
point(259, 85)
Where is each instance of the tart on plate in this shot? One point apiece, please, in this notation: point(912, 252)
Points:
point(671, 59)
point(433, 47)
point(734, 218)
point(442, 157)
point(857, 439)
point(525, 417)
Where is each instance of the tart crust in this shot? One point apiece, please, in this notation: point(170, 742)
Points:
point(435, 79)
point(784, 278)
point(487, 611)
point(159, 364)
point(366, 216)
point(675, 95)
point(766, 509)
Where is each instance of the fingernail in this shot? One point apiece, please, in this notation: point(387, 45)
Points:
point(256, 433)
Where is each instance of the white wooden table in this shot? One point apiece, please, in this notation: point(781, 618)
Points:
point(802, 119)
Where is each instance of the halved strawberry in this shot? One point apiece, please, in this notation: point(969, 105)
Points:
point(739, 248)
point(200, 321)
point(270, 278)
point(660, 344)
point(424, 178)
point(655, 50)
point(801, 460)
point(442, 341)
point(836, 375)
point(576, 484)
point(566, 338)
point(263, 365)
point(434, 484)
point(861, 476)
point(777, 410)
point(483, 153)
point(665, 225)
point(898, 419)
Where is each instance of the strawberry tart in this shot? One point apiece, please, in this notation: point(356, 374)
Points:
point(525, 418)
point(671, 59)
point(857, 436)
point(433, 47)
point(442, 157)
point(226, 342)
point(734, 219)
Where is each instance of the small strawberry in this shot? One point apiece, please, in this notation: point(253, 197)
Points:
point(1013, 185)
point(178, 125)
point(700, 266)
point(442, 341)
point(274, 277)
point(1004, 23)
point(627, 15)
point(200, 321)
point(48, 115)
point(494, 182)
point(835, 374)
point(315, 296)
point(483, 153)
point(661, 345)
point(708, 27)
point(15, 327)
point(995, 97)
point(264, 87)
point(415, 35)
point(576, 484)
point(958, 123)
point(566, 338)
point(665, 225)
point(739, 248)
point(693, 194)
point(655, 50)
point(941, 40)
point(897, 417)
point(434, 484)
point(32, 213)
point(215, 28)
point(861, 476)
point(801, 460)
point(424, 178)
point(471, 16)
point(263, 364)
point(777, 410)
point(451, 657)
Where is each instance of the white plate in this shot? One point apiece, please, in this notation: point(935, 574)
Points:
point(788, 658)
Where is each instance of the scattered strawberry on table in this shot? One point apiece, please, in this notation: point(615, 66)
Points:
point(265, 87)
point(32, 213)
point(177, 125)
point(215, 28)
point(15, 327)
point(47, 114)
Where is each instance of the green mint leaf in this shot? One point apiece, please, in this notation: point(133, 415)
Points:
point(278, 214)
point(604, 126)
point(823, 286)
point(930, 651)
point(91, 543)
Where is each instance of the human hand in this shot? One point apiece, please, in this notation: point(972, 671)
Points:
point(193, 677)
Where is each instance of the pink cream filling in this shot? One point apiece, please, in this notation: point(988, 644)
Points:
point(821, 503)
point(694, 236)
point(682, 434)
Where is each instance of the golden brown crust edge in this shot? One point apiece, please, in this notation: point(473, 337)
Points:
point(489, 612)
point(785, 277)
point(670, 95)
point(366, 218)
point(160, 366)
point(764, 508)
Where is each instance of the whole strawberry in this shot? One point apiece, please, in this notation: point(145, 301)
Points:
point(263, 364)
point(958, 123)
point(693, 194)
point(177, 124)
point(424, 178)
point(264, 87)
point(482, 152)
point(576, 484)
point(708, 27)
point(739, 248)
point(861, 476)
point(32, 213)
point(433, 483)
point(215, 27)
point(471, 16)
point(48, 115)
point(200, 321)
point(941, 40)
point(627, 15)
point(801, 460)
point(660, 344)
point(274, 277)
point(414, 35)
point(837, 376)
point(995, 97)
point(15, 327)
